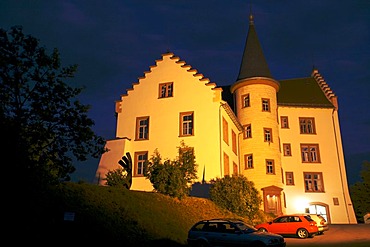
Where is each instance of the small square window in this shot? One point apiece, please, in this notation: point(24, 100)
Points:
point(142, 128)
point(284, 122)
point(186, 124)
point(247, 131)
point(265, 105)
point(267, 134)
point(336, 201)
point(287, 149)
point(139, 163)
point(248, 161)
point(270, 167)
point(166, 90)
point(246, 100)
point(289, 177)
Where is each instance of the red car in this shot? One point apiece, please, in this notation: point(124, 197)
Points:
point(295, 224)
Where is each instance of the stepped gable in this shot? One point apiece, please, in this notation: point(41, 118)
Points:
point(330, 95)
point(306, 92)
point(183, 64)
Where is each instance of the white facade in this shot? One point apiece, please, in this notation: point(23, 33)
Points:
point(296, 170)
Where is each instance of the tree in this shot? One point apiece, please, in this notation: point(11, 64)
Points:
point(172, 177)
point(44, 125)
point(117, 177)
point(360, 193)
point(236, 194)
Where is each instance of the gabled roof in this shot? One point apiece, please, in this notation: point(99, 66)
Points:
point(253, 61)
point(302, 92)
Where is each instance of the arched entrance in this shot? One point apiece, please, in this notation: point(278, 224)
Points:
point(319, 208)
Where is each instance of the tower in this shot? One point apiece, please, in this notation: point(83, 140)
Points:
point(255, 100)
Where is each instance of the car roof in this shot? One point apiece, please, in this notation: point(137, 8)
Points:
point(233, 220)
point(292, 215)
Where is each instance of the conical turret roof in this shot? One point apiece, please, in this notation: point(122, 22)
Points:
point(253, 61)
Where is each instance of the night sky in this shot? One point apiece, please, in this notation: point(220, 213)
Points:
point(115, 42)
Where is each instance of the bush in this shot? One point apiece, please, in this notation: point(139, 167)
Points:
point(236, 194)
point(117, 177)
point(172, 177)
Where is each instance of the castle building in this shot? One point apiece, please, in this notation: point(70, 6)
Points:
point(284, 135)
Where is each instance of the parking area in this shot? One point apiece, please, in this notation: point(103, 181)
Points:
point(338, 235)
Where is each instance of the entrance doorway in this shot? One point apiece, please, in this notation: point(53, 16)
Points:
point(272, 200)
point(319, 208)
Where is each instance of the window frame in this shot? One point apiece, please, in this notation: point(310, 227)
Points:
point(247, 133)
point(235, 169)
point(225, 130)
point(284, 122)
point(309, 156)
point(168, 87)
point(234, 142)
point(307, 125)
point(272, 165)
point(188, 122)
point(140, 162)
point(248, 161)
point(226, 165)
point(312, 179)
point(144, 127)
point(287, 149)
point(246, 100)
point(289, 178)
point(267, 134)
point(266, 107)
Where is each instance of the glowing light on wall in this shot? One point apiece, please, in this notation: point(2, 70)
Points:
point(301, 204)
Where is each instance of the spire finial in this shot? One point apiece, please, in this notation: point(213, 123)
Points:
point(250, 15)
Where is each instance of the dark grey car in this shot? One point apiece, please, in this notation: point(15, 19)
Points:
point(231, 232)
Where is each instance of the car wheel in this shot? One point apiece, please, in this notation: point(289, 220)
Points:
point(262, 229)
point(258, 244)
point(302, 233)
point(201, 243)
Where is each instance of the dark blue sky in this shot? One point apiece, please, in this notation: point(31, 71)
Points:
point(114, 42)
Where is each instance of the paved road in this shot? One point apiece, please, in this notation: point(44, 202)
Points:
point(356, 235)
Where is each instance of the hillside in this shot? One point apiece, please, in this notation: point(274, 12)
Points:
point(108, 215)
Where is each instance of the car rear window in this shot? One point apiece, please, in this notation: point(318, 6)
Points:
point(308, 218)
point(198, 227)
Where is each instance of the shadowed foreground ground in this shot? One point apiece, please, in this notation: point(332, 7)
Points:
point(341, 235)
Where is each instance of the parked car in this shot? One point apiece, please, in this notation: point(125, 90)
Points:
point(320, 221)
point(231, 232)
point(300, 225)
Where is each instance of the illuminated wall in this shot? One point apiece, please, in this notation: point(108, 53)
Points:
point(334, 195)
point(191, 93)
point(218, 138)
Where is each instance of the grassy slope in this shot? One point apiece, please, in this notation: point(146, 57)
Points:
point(130, 217)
